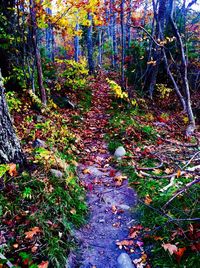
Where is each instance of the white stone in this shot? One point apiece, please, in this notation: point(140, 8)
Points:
point(119, 152)
point(124, 261)
point(124, 207)
point(56, 173)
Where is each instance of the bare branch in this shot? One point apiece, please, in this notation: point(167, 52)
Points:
point(188, 185)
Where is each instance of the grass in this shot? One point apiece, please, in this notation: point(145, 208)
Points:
point(160, 226)
point(35, 198)
point(54, 205)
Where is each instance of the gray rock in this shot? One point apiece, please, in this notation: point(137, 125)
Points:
point(56, 173)
point(39, 118)
point(37, 143)
point(119, 152)
point(124, 207)
point(124, 261)
point(63, 102)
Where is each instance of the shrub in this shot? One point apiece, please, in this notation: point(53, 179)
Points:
point(74, 74)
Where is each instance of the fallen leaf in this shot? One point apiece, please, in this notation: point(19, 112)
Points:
point(114, 209)
point(32, 232)
point(12, 170)
point(179, 253)
point(116, 225)
point(43, 264)
point(15, 246)
point(34, 249)
point(122, 243)
point(86, 171)
point(169, 170)
point(133, 234)
point(196, 247)
point(148, 200)
point(73, 211)
point(171, 248)
point(119, 180)
point(157, 171)
point(178, 174)
point(112, 173)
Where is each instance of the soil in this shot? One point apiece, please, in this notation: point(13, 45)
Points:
point(110, 199)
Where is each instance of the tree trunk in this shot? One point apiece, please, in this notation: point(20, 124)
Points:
point(37, 52)
point(183, 66)
point(76, 44)
point(90, 45)
point(10, 150)
point(100, 46)
point(123, 43)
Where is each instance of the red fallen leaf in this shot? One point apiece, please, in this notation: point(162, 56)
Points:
point(133, 234)
point(112, 173)
point(179, 253)
point(43, 264)
point(90, 187)
point(26, 262)
point(195, 247)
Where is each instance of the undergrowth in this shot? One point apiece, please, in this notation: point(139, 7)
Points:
point(38, 209)
point(161, 226)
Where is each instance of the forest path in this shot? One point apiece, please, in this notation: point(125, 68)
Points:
point(109, 200)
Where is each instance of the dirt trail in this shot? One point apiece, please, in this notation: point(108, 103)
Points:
point(109, 205)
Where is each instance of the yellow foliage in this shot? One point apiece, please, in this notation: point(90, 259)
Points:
point(117, 90)
point(163, 90)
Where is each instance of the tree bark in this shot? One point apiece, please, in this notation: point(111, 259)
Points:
point(10, 150)
point(123, 43)
point(90, 45)
point(37, 51)
point(183, 66)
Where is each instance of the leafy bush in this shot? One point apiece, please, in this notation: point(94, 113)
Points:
point(14, 103)
point(74, 74)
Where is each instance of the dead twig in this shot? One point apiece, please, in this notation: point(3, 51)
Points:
point(188, 185)
point(8, 263)
point(178, 143)
point(187, 164)
point(151, 168)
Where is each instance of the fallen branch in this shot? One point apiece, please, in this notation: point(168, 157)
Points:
point(187, 164)
point(8, 263)
point(170, 221)
point(188, 185)
point(151, 168)
point(178, 143)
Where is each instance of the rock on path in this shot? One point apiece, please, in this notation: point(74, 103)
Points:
point(109, 205)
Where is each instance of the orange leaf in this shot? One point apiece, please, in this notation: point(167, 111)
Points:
point(43, 264)
point(86, 171)
point(147, 200)
point(171, 248)
point(178, 174)
point(12, 170)
point(32, 232)
point(124, 243)
point(178, 254)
